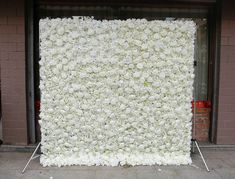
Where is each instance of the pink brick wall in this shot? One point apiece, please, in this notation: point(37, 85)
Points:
point(12, 56)
point(226, 111)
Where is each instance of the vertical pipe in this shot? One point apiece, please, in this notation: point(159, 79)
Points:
point(216, 28)
point(29, 10)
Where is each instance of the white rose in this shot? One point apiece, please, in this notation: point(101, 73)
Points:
point(139, 65)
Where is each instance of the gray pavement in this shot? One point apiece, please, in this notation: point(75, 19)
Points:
point(220, 161)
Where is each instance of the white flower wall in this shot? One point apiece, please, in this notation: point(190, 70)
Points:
point(116, 92)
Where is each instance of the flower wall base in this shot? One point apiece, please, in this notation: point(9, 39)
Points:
point(116, 92)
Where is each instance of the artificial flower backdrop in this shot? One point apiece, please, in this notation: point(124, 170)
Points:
point(116, 92)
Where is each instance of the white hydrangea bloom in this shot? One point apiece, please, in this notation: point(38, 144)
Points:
point(116, 92)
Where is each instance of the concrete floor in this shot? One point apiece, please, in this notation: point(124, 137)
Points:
point(220, 161)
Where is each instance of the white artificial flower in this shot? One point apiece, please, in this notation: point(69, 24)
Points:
point(140, 65)
point(115, 92)
point(146, 55)
point(60, 30)
point(59, 42)
point(137, 74)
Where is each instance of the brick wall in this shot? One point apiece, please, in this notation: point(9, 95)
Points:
point(202, 124)
point(226, 111)
point(12, 56)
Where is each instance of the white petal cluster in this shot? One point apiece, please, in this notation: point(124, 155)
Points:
point(116, 92)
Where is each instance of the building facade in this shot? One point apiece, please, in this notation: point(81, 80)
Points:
point(20, 97)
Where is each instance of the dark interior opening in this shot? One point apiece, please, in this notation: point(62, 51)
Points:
point(200, 15)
